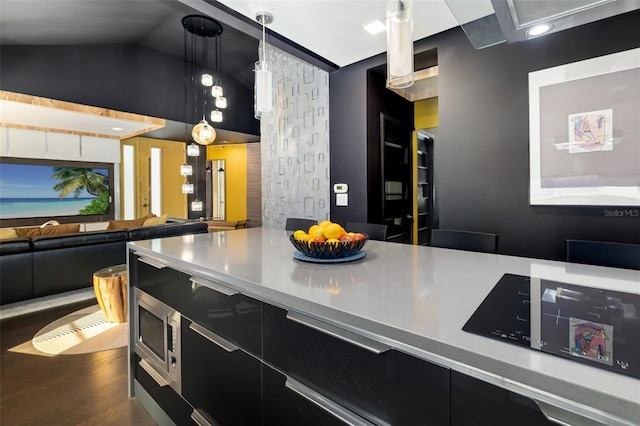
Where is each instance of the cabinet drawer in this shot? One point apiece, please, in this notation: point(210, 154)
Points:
point(172, 404)
point(284, 405)
point(235, 317)
point(387, 387)
point(156, 279)
point(222, 384)
point(477, 403)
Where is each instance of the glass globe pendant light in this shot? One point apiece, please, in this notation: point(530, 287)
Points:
point(203, 133)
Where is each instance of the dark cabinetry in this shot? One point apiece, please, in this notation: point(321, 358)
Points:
point(168, 399)
point(396, 174)
point(156, 279)
point(219, 380)
point(371, 380)
point(424, 193)
point(477, 403)
point(223, 310)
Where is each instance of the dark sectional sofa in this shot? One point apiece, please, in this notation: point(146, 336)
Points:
point(51, 264)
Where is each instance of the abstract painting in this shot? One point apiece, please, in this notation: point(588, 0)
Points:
point(584, 132)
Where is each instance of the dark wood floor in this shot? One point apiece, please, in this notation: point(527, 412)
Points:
point(37, 389)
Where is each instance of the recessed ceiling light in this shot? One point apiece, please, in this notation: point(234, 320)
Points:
point(117, 129)
point(539, 29)
point(375, 27)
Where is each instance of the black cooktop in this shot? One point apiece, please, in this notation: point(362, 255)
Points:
point(592, 326)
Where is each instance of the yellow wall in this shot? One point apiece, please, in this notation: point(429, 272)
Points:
point(426, 113)
point(235, 156)
point(174, 202)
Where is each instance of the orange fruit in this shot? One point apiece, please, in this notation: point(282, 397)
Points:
point(333, 231)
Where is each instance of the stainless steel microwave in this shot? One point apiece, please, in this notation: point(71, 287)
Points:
point(157, 337)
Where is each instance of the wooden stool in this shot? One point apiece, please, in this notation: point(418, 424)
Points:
point(110, 285)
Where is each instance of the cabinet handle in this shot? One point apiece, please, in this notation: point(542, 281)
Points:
point(326, 404)
point(153, 373)
point(567, 418)
point(215, 286)
point(200, 419)
point(152, 261)
point(213, 338)
point(331, 330)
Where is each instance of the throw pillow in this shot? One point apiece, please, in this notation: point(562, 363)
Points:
point(159, 220)
point(8, 233)
point(129, 223)
point(71, 228)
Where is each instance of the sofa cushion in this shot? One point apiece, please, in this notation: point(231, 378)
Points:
point(16, 245)
point(8, 233)
point(167, 230)
point(50, 242)
point(129, 223)
point(158, 220)
point(70, 228)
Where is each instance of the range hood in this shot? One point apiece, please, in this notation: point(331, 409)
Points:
point(490, 22)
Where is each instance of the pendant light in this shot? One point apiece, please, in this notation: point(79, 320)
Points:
point(263, 89)
point(400, 44)
point(198, 30)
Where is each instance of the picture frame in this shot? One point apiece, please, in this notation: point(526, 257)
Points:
point(584, 132)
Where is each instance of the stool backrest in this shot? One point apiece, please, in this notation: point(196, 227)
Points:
point(603, 253)
point(464, 240)
point(294, 223)
point(375, 231)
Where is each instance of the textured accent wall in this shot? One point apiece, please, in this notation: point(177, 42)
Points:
point(295, 143)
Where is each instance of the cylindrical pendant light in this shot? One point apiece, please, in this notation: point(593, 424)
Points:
point(263, 88)
point(400, 44)
point(196, 205)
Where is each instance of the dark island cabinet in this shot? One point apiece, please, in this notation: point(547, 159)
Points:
point(478, 403)
point(156, 279)
point(174, 406)
point(219, 380)
point(226, 312)
point(373, 381)
point(289, 404)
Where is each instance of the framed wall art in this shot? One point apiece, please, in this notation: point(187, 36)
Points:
point(584, 132)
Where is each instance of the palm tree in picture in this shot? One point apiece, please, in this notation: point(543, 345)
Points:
point(73, 180)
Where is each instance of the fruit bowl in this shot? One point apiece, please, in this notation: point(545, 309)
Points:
point(329, 250)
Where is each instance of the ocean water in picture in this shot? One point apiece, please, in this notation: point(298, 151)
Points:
point(41, 207)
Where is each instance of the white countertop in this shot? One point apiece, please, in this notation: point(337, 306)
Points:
point(415, 299)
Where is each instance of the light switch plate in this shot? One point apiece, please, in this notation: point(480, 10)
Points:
point(342, 199)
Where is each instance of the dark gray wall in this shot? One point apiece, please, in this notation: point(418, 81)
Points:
point(482, 150)
point(130, 78)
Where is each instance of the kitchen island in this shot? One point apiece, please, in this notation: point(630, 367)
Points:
point(400, 301)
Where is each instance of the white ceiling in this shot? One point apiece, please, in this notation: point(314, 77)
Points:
point(333, 28)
